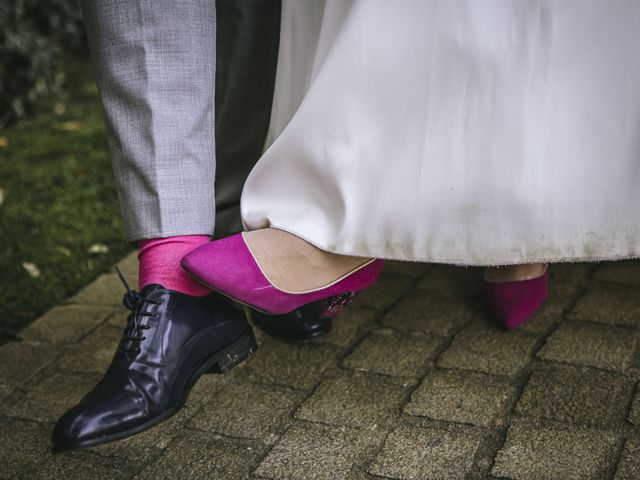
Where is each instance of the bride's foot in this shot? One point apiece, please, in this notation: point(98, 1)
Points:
point(514, 273)
point(276, 272)
point(515, 293)
point(294, 265)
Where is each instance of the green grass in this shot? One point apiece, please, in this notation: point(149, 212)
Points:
point(59, 200)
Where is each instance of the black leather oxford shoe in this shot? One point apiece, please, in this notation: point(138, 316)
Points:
point(171, 339)
point(308, 322)
point(296, 326)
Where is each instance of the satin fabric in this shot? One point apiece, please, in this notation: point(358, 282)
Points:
point(464, 132)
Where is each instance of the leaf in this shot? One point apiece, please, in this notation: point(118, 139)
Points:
point(4, 142)
point(70, 126)
point(32, 269)
point(2, 196)
point(64, 250)
point(98, 249)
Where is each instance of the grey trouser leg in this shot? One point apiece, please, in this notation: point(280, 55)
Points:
point(154, 63)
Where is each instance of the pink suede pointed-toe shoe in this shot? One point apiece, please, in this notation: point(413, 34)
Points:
point(229, 267)
point(513, 303)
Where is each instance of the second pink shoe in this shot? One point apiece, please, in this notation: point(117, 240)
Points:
point(229, 267)
point(513, 303)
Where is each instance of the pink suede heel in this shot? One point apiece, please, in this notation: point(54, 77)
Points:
point(513, 303)
point(228, 266)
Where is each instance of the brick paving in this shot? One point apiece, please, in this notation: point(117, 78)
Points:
point(414, 382)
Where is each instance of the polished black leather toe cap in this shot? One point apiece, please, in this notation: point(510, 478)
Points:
point(297, 326)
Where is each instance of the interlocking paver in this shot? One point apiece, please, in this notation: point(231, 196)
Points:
point(366, 400)
point(94, 353)
point(106, 290)
point(412, 270)
point(433, 453)
point(605, 304)
point(391, 353)
point(458, 282)
point(428, 313)
point(297, 366)
point(634, 411)
point(141, 448)
point(564, 453)
point(81, 465)
point(384, 293)
point(52, 397)
point(66, 324)
point(464, 397)
point(565, 280)
point(485, 348)
point(234, 411)
point(579, 395)
point(629, 465)
point(625, 273)
point(23, 445)
point(19, 361)
point(356, 400)
point(200, 455)
point(600, 346)
point(346, 326)
point(319, 452)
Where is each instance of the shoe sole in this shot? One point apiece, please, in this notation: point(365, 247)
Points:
point(232, 355)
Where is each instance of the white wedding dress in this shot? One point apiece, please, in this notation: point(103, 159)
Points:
point(456, 131)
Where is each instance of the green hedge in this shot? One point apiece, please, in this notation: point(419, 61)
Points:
point(33, 35)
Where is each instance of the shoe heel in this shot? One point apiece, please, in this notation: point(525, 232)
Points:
point(236, 353)
point(332, 306)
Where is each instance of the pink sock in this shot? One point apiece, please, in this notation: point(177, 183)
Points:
point(160, 263)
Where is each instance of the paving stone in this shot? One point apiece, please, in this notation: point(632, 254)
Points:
point(600, 346)
point(247, 410)
point(413, 270)
point(53, 396)
point(347, 326)
point(208, 387)
point(319, 452)
point(543, 320)
point(384, 293)
point(140, 448)
point(94, 353)
point(129, 267)
point(534, 452)
point(464, 397)
point(566, 280)
point(5, 391)
point(81, 465)
point(483, 347)
point(427, 453)
point(355, 400)
point(108, 289)
point(634, 411)
point(611, 305)
point(624, 272)
point(629, 464)
point(22, 446)
point(428, 313)
point(199, 455)
point(297, 366)
point(391, 353)
point(66, 324)
point(458, 282)
point(20, 361)
point(578, 395)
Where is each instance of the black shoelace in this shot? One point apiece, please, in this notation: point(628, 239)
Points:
point(134, 301)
